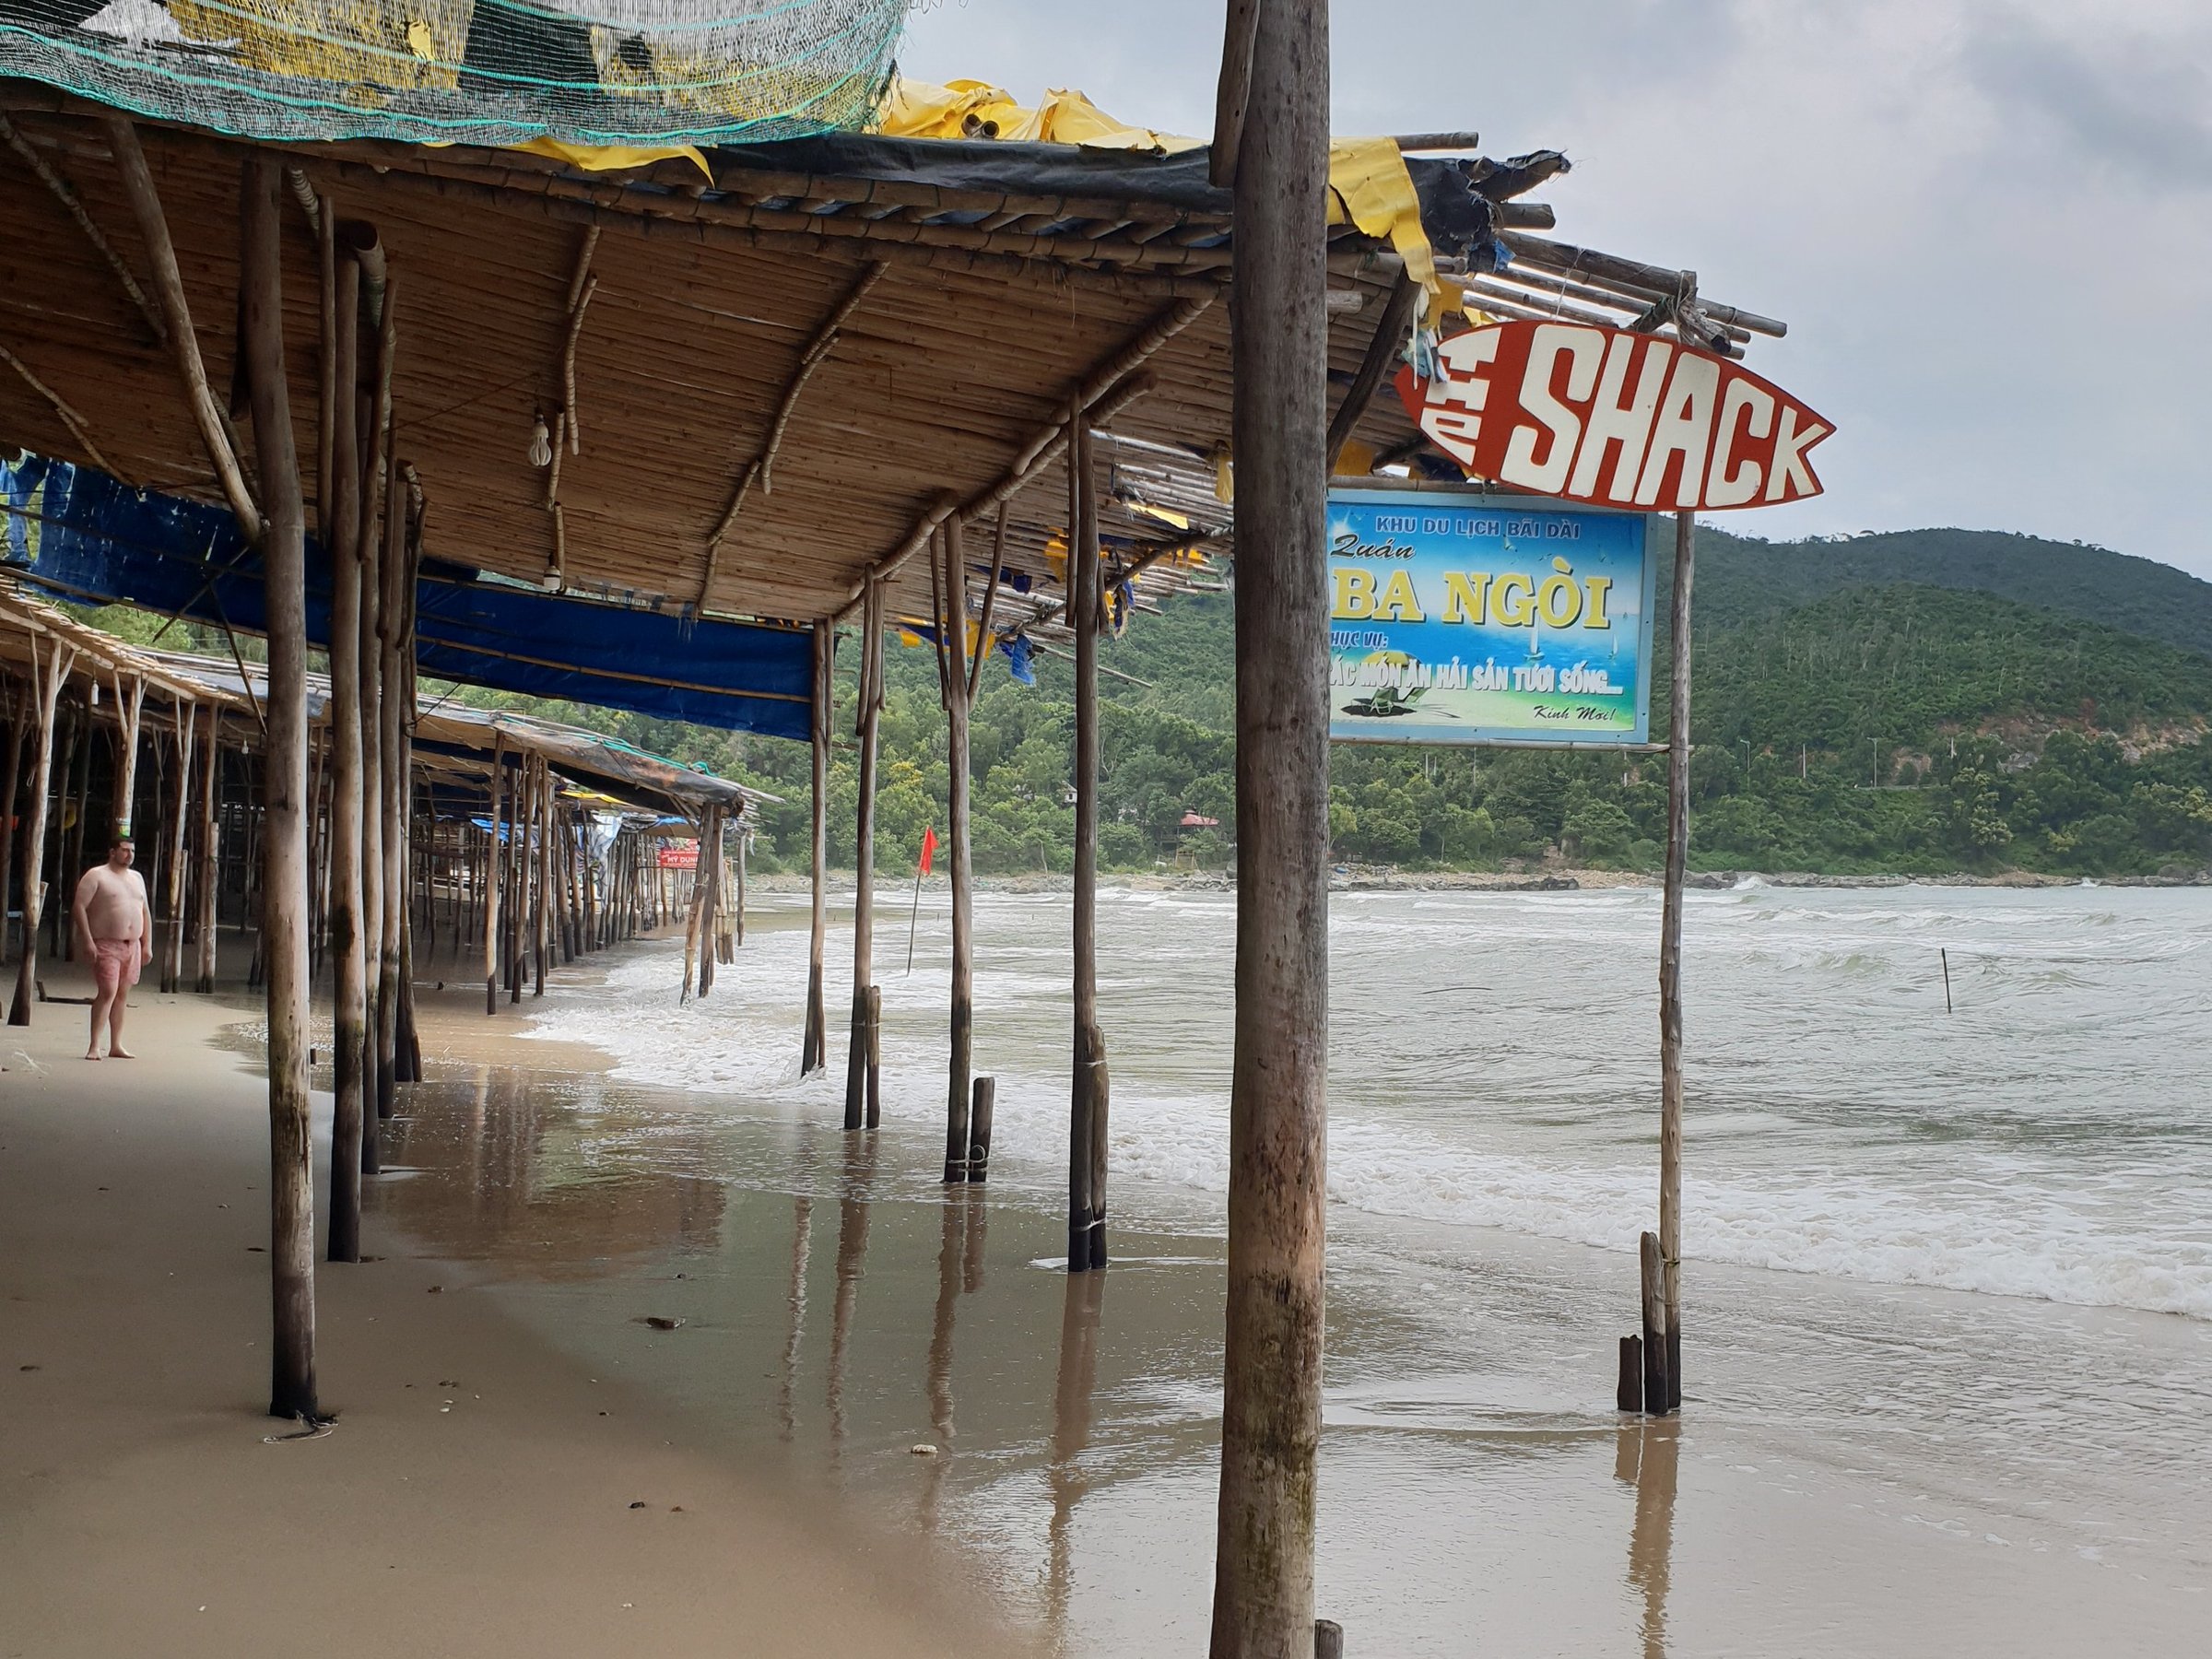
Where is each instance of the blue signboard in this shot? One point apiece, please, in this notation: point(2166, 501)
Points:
point(1470, 618)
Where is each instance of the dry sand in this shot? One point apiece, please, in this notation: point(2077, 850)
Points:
point(480, 1494)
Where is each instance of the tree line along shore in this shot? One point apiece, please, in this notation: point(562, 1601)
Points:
point(1930, 703)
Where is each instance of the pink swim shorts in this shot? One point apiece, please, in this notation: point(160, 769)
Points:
point(114, 964)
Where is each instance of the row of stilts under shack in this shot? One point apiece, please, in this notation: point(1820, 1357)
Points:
point(523, 842)
point(611, 433)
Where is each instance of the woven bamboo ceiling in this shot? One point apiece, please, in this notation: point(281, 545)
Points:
point(901, 349)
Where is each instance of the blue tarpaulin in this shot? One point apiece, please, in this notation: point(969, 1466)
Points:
point(98, 541)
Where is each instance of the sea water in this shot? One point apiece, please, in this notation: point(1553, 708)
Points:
point(1948, 1271)
point(1494, 1064)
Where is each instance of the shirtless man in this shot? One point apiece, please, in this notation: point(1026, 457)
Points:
point(116, 930)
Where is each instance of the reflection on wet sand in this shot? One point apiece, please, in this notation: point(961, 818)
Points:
point(851, 1259)
point(1644, 1456)
point(524, 1178)
point(951, 1248)
point(802, 1241)
point(1086, 1297)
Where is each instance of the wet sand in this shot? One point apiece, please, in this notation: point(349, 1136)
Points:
point(481, 1493)
point(839, 1309)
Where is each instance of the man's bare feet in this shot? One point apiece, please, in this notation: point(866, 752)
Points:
point(121, 1053)
point(92, 1054)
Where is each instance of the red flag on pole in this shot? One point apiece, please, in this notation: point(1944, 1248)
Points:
point(929, 847)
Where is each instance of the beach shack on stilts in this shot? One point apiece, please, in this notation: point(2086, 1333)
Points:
point(646, 395)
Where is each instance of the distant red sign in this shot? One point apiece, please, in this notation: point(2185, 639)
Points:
point(1614, 418)
point(679, 855)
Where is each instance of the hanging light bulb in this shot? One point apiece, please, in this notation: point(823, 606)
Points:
point(541, 442)
point(551, 580)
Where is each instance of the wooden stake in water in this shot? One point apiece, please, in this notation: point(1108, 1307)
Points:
point(1946, 954)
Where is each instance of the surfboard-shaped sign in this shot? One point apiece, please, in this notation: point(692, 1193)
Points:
point(1614, 418)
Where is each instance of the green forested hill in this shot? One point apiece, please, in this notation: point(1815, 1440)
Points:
point(1921, 703)
point(1740, 578)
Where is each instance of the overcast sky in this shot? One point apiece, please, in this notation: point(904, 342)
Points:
point(1987, 222)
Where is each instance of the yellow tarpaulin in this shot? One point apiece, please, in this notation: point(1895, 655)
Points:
point(1369, 184)
point(614, 157)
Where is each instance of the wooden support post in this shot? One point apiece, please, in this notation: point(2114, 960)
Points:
point(1627, 1391)
point(368, 543)
point(350, 983)
point(589, 871)
point(952, 627)
point(571, 934)
point(207, 874)
point(858, 1065)
point(541, 847)
point(283, 830)
point(490, 884)
point(1670, 964)
point(814, 1047)
point(1086, 1213)
point(1652, 1281)
point(874, 1114)
point(517, 872)
point(710, 881)
point(21, 710)
point(410, 1041)
point(736, 892)
point(129, 707)
point(1328, 1638)
point(392, 777)
point(46, 685)
point(979, 1129)
point(699, 899)
point(1271, 1404)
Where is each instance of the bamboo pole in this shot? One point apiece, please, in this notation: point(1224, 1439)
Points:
point(172, 903)
point(327, 407)
point(392, 778)
point(1232, 94)
point(1086, 1215)
point(207, 878)
point(349, 990)
point(953, 631)
point(46, 682)
point(1382, 351)
point(814, 1048)
point(864, 896)
point(76, 784)
point(169, 286)
point(1271, 1406)
point(1670, 964)
point(284, 834)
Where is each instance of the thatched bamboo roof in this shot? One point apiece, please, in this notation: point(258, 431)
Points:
point(783, 378)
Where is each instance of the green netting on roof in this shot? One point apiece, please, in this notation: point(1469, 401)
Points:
point(493, 72)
